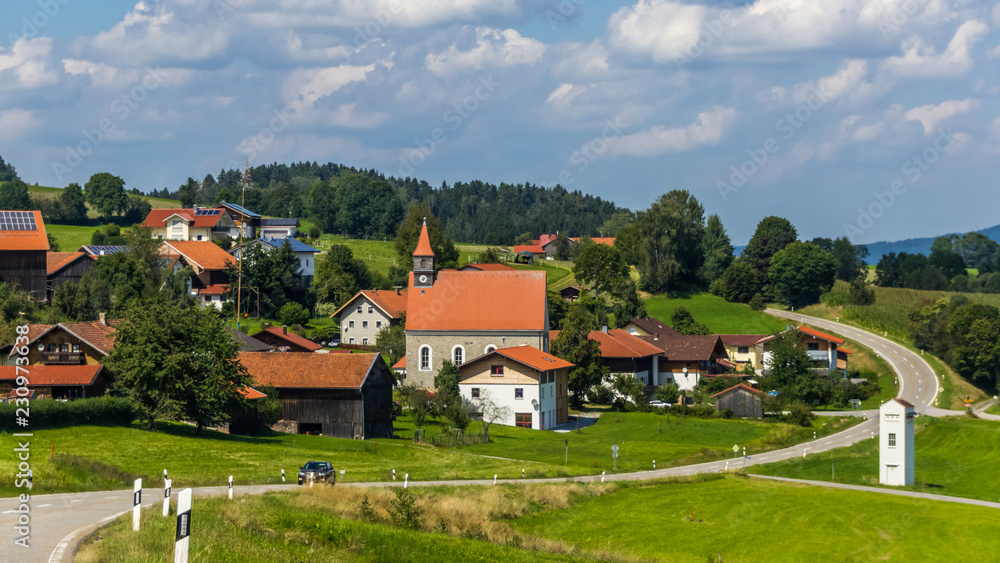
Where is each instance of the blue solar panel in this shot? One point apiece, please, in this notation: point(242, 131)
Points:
point(208, 212)
point(17, 221)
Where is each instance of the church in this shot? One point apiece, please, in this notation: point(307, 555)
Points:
point(458, 316)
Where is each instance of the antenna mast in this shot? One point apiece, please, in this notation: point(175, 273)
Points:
point(243, 226)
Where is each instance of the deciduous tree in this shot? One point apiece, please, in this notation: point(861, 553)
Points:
point(671, 233)
point(801, 272)
point(106, 194)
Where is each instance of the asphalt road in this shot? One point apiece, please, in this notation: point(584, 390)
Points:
point(59, 521)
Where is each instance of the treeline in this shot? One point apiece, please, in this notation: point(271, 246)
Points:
point(363, 203)
point(946, 267)
point(961, 333)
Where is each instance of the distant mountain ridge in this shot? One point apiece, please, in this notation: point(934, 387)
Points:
point(917, 245)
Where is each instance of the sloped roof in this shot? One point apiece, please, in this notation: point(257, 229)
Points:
point(735, 387)
point(24, 238)
point(279, 222)
point(247, 342)
point(545, 240)
point(682, 348)
point(388, 300)
point(618, 344)
point(54, 374)
point(55, 261)
point(291, 337)
point(741, 339)
point(400, 364)
point(96, 250)
point(98, 336)
point(904, 402)
point(204, 254)
point(528, 356)
point(532, 248)
point(610, 241)
point(297, 245)
point(424, 247)
point(810, 332)
point(474, 301)
point(654, 325)
point(250, 393)
point(158, 217)
point(487, 267)
point(214, 289)
point(304, 370)
point(239, 209)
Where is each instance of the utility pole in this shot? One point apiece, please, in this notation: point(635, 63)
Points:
point(243, 226)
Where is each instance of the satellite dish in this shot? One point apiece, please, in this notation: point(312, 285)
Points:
point(685, 370)
point(534, 403)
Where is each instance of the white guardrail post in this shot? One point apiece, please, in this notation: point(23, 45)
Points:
point(166, 497)
point(181, 539)
point(136, 503)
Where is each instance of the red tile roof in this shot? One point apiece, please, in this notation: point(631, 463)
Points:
point(54, 374)
point(823, 335)
point(529, 356)
point(465, 301)
point(203, 254)
point(158, 217)
point(391, 303)
point(401, 364)
point(532, 248)
point(291, 337)
point(725, 363)
point(844, 350)
point(303, 370)
point(55, 261)
point(488, 267)
point(423, 243)
point(697, 348)
point(610, 241)
point(26, 240)
point(618, 344)
point(215, 289)
point(544, 240)
point(737, 386)
point(250, 393)
point(98, 336)
point(741, 339)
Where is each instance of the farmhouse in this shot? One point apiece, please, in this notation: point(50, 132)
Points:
point(56, 381)
point(686, 359)
point(623, 353)
point(196, 224)
point(245, 220)
point(278, 228)
point(740, 399)
point(457, 315)
point(532, 251)
point(570, 293)
point(23, 248)
point(340, 395)
point(821, 347)
point(209, 262)
point(81, 343)
point(305, 253)
point(742, 350)
point(530, 383)
point(65, 267)
point(368, 312)
point(283, 341)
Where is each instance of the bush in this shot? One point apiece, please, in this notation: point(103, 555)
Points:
point(48, 413)
point(800, 414)
point(600, 395)
point(668, 393)
point(403, 512)
point(292, 313)
point(757, 302)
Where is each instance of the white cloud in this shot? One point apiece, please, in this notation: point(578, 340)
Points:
point(923, 61)
point(494, 49)
point(930, 115)
point(152, 33)
point(26, 65)
point(15, 122)
point(868, 132)
point(304, 87)
point(664, 30)
point(562, 93)
point(847, 81)
point(100, 73)
point(374, 16)
point(656, 140)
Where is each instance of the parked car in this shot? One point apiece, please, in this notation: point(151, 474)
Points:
point(318, 471)
point(656, 403)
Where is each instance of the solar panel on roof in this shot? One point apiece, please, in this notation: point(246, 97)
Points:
point(17, 221)
point(208, 212)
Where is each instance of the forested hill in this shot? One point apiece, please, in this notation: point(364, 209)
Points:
point(916, 245)
point(365, 203)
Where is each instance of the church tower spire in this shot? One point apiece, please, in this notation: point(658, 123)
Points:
point(423, 259)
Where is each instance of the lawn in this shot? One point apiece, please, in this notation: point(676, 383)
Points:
point(641, 437)
point(953, 456)
point(719, 315)
point(995, 409)
point(557, 274)
point(71, 237)
point(49, 193)
point(317, 327)
point(734, 519)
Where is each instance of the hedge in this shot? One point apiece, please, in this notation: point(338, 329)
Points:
point(48, 413)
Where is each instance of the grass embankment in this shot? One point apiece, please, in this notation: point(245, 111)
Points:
point(995, 409)
point(52, 193)
point(727, 518)
point(641, 437)
point(70, 237)
point(953, 456)
point(719, 315)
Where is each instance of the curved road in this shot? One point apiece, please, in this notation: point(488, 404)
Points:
point(59, 521)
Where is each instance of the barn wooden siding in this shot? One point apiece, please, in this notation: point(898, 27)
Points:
point(745, 404)
point(27, 269)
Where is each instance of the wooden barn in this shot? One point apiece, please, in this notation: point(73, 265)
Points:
point(281, 340)
point(65, 267)
point(56, 381)
point(340, 395)
point(743, 400)
point(23, 248)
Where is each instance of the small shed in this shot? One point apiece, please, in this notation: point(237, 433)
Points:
point(570, 293)
point(741, 399)
point(285, 341)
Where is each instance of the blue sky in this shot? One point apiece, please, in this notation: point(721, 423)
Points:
point(874, 119)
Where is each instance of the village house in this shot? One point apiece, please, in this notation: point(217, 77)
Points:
point(23, 248)
point(53, 381)
point(305, 253)
point(65, 267)
point(530, 383)
point(278, 228)
point(649, 326)
point(686, 359)
point(195, 224)
point(283, 341)
point(79, 343)
point(339, 395)
point(740, 399)
point(528, 251)
point(823, 350)
point(459, 315)
point(368, 312)
point(245, 220)
point(209, 262)
point(623, 353)
point(742, 349)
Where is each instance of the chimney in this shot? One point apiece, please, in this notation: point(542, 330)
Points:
point(103, 318)
point(604, 328)
point(195, 207)
point(284, 329)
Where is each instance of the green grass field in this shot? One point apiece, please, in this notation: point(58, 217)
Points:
point(719, 315)
point(70, 237)
point(953, 456)
point(50, 193)
point(995, 409)
point(734, 519)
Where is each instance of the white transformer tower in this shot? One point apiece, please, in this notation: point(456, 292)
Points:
point(895, 457)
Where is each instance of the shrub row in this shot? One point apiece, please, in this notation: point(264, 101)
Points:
point(47, 413)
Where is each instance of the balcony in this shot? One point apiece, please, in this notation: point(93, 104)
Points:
point(62, 358)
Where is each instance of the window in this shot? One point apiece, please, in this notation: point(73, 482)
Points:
point(475, 392)
point(519, 392)
point(892, 440)
point(364, 324)
point(631, 330)
point(496, 370)
point(52, 348)
point(490, 348)
point(457, 355)
point(364, 341)
point(307, 262)
point(76, 348)
point(813, 346)
point(523, 420)
point(743, 350)
point(371, 309)
point(378, 324)
point(425, 358)
point(359, 308)
point(350, 324)
point(351, 341)
point(199, 237)
point(64, 347)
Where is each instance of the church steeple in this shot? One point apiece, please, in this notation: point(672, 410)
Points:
point(423, 259)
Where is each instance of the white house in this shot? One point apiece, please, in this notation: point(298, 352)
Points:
point(895, 459)
point(368, 312)
point(278, 228)
point(532, 384)
point(305, 253)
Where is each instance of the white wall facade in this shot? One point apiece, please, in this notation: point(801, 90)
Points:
point(896, 444)
point(543, 414)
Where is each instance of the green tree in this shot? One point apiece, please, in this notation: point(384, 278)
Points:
point(850, 257)
point(390, 341)
point(683, 322)
point(861, 293)
point(976, 350)
point(801, 272)
point(718, 251)
point(739, 283)
point(787, 363)
point(772, 235)
point(489, 256)
point(563, 245)
point(889, 271)
point(106, 194)
point(14, 196)
point(602, 267)
point(53, 243)
point(668, 393)
point(558, 307)
point(630, 389)
point(445, 253)
point(629, 243)
point(293, 313)
point(626, 303)
point(671, 231)
point(7, 172)
point(73, 203)
point(339, 276)
point(271, 278)
point(521, 239)
point(188, 193)
point(978, 251)
point(446, 383)
point(575, 346)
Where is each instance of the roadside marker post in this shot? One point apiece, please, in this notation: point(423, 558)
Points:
point(166, 497)
point(282, 475)
point(230, 487)
point(494, 478)
point(522, 473)
point(614, 456)
point(602, 476)
point(342, 478)
point(182, 539)
point(393, 474)
point(136, 503)
point(406, 480)
point(654, 464)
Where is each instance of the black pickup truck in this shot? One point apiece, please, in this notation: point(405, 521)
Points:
point(317, 471)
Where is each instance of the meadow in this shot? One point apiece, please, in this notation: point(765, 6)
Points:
point(704, 518)
point(719, 315)
point(953, 456)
